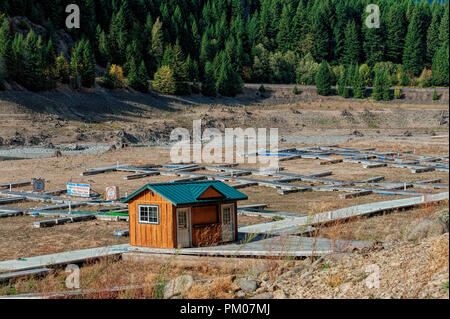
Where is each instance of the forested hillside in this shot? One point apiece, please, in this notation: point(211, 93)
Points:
point(223, 43)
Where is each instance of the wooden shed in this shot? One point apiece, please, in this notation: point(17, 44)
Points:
point(183, 214)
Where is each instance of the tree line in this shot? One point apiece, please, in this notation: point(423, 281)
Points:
point(213, 46)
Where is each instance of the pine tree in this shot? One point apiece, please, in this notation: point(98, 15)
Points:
point(377, 93)
point(88, 69)
point(374, 45)
point(352, 47)
point(395, 33)
point(433, 42)
point(137, 77)
point(444, 27)
point(324, 79)
point(229, 82)
point(414, 51)
point(322, 49)
point(5, 39)
point(157, 49)
point(180, 72)
point(284, 36)
point(209, 81)
point(381, 86)
point(439, 68)
point(435, 95)
point(359, 87)
point(341, 84)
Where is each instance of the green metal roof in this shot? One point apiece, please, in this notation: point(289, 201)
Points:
point(179, 193)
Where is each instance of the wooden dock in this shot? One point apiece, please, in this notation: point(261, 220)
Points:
point(70, 257)
point(278, 246)
point(342, 214)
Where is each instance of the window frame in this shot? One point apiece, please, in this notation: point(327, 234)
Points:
point(148, 222)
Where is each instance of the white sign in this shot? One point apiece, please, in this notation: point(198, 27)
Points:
point(112, 193)
point(80, 190)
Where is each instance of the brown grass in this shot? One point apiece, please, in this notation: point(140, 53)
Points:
point(438, 255)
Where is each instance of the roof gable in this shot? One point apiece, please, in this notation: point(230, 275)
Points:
point(192, 192)
point(210, 193)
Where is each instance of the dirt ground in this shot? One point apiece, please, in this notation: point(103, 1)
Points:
point(101, 116)
point(408, 126)
point(26, 241)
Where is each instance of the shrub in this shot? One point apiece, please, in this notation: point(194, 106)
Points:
point(164, 80)
point(295, 90)
point(262, 90)
point(425, 78)
point(62, 69)
point(435, 95)
point(114, 77)
point(307, 70)
point(397, 94)
point(405, 80)
point(366, 74)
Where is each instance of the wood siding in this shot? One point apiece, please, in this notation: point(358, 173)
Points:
point(162, 235)
point(210, 193)
point(205, 215)
point(208, 219)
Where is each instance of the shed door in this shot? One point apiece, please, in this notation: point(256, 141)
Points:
point(183, 227)
point(227, 223)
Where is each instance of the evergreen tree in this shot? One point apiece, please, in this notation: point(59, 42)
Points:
point(5, 40)
point(229, 82)
point(439, 68)
point(433, 42)
point(88, 68)
point(359, 87)
point(284, 36)
point(322, 49)
point(381, 88)
point(377, 92)
point(374, 44)
point(209, 81)
point(352, 47)
point(414, 51)
point(324, 79)
point(157, 49)
point(395, 33)
point(444, 27)
point(137, 77)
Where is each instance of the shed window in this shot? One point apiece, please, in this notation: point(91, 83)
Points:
point(149, 214)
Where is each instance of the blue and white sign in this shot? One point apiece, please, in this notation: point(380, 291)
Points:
point(79, 190)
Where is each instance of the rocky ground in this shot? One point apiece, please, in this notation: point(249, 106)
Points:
point(393, 270)
point(121, 117)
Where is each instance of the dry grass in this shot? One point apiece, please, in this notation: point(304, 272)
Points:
point(438, 255)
